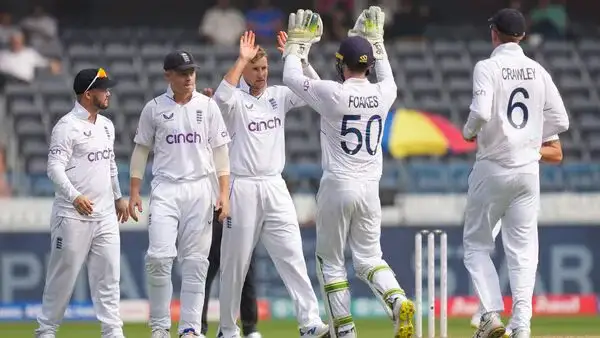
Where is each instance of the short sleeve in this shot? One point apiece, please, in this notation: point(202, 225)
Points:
point(217, 134)
point(144, 135)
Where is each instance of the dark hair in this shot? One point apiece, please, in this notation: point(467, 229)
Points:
point(358, 68)
point(505, 38)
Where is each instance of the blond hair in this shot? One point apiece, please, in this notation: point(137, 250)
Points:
point(259, 55)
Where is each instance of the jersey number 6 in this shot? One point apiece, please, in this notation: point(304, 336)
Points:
point(359, 137)
point(512, 105)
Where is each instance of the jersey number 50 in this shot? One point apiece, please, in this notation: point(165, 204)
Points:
point(359, 136)
point(512, 105)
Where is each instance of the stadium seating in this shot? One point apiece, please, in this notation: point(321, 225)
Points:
point(433, 76)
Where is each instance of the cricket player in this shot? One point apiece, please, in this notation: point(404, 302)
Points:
point(248, 305)
point(348, 207)
point(189, 139)
point(84, 226)
point(261, 206)
point(515, 107)
point(551, 152)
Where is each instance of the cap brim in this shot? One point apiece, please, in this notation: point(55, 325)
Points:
point(183, 68)
point(104, 84)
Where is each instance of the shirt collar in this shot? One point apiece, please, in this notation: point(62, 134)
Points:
point(80, 112)
point(356, 80)
point(243, 86)
point(508, 48)
point(171, 95)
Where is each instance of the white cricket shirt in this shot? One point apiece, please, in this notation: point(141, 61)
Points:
point(256, 126)
point(182, 136)
point(81, 161)
point(352, 113)
point(515, 106)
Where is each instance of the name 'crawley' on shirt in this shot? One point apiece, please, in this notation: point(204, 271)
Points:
point(521, 104)
point(182, 136)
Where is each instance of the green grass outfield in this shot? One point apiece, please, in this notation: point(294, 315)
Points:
point(376, 328)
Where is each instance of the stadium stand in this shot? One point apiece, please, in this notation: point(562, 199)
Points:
point(433, 76)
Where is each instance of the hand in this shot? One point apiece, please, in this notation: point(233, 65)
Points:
point(304, 29)
point(122, 210)
point(222, 207)
point(247, 48)
point(208, 92)
point(55, 67)
point(135, 201)
point(83, 205)
point(369, 25)
point(281, 40)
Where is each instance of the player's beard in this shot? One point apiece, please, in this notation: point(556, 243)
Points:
point(257, 89)
point(99, 104)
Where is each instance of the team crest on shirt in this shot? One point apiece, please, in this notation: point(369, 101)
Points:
point(273, 103)
point(107, 132)
point(198, 116)
point(168, 117)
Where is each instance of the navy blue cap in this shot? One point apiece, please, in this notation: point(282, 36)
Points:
point(179, 60)
point(355, 51)
point(509, 21)
point(92, 78)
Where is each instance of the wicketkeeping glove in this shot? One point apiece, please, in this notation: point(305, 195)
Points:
point(304, 29)
point(369, 25)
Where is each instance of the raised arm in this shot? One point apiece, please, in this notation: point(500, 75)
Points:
point(370, 26)
point(556, 120)
point(225, 93)
point(312, 92)
point(385, 77)
point(292, 100)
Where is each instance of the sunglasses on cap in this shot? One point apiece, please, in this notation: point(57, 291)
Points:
point(101, 74)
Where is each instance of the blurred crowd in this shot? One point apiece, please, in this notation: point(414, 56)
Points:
point(28, 43)
point(404, 19)
point(21, 43)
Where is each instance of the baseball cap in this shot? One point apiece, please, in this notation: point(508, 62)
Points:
point(92, 78)
point(509, 21)
point(179, 60)
point(354, 51)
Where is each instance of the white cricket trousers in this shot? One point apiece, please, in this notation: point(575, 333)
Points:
point(262, 209)
point(348, 211)
point(73, 243)
point(179, 226)
point(496, 193)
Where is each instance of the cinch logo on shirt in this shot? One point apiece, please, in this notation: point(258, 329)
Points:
point(105, 154)
point(54, 151)
point(184, 138)
point(264, 125)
